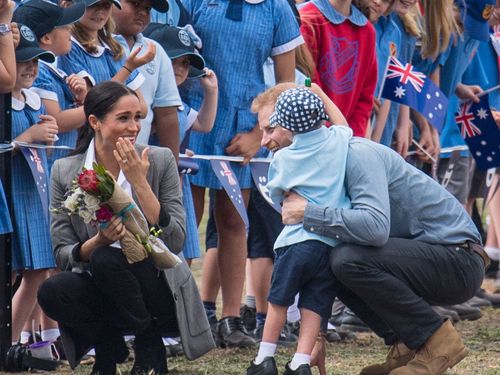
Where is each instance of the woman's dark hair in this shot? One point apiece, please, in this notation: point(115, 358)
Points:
point(99, 101)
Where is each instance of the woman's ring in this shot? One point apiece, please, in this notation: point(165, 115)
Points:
point(125, 161)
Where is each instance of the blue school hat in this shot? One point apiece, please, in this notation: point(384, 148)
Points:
point(477, 14)
point(42, 16)
point(298, 110)
point(28, 48)
point(177, 43)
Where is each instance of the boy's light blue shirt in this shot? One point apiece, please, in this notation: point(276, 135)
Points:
point(391, 198)
point(314, 167)
point(159, 88)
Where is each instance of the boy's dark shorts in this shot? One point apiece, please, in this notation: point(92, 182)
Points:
point(304, 267)
point(265, 227)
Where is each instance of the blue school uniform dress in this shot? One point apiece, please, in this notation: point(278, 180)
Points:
point(101, 65)
point(31, 246)
point(51, 85)
point(191, 248)
point(5, 223)
point(236, 51)
point(405, 53)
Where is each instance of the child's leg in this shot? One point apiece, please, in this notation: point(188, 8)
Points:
point(24, 300)
point(309, 330)
point(275, 320)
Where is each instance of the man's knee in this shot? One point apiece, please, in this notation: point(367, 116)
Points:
point(343, 259)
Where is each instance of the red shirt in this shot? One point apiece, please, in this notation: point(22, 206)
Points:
point(346, 64)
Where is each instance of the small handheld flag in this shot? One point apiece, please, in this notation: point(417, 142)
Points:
point(480, 132)
point(403, 84)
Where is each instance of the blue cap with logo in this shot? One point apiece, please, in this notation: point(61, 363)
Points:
point(28, 48)
point(476, 16)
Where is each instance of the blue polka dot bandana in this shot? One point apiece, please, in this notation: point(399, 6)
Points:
point(298, 110)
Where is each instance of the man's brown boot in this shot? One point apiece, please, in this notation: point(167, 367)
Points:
point(399, 355)
point(443, 350)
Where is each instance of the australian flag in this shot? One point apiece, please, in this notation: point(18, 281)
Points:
point(480, 132)
point(405, 85)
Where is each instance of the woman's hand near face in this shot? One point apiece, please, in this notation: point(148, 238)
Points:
point(134, 167)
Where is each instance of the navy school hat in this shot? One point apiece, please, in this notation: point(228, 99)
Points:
point(177, 43)
point(89, 3)
point(298, 110)
point(28, 48)
point(42, 16)
point(477, 14)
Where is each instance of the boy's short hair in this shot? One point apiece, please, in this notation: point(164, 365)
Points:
point(270, 96)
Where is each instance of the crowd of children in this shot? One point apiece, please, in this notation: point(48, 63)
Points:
point(196, 71)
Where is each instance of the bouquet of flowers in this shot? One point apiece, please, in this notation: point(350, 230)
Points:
point(96, 197)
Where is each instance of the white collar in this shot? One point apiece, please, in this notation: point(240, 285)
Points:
point(101, 47)
point(31, 99)
point(90, 159)
point(53, 67)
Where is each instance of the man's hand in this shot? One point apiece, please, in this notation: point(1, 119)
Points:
point(294, 207)
point(245, 144)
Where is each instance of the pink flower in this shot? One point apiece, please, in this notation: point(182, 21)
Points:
point(88, 181)
point(104, 214)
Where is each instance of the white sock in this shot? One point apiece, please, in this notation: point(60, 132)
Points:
point(266, 349)
point(50, 334)
point(25, 336)
point(493, 252)
point(299, 359)
point(293, 312)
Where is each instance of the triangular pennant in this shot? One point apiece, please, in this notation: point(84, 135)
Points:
point(259, 175)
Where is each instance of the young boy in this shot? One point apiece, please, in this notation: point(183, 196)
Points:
point(307, 159)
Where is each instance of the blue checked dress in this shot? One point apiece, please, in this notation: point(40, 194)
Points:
point(31, 246)
point(101, 66)
point(236, 51)
point(5, 223)
point(51, 85)
point(191, 249)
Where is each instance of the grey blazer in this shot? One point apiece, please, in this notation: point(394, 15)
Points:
point(69, 232)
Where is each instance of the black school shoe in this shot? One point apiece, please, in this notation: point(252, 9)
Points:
point(301, 370)
point(233, 334)
point(267, 367)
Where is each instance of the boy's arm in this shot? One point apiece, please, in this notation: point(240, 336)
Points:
point(333, 112)
point(7, 56)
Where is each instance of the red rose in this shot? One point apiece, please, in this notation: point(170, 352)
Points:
point(104, 214)
point(87, 180)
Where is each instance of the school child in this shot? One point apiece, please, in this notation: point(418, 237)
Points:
point(397, 128)
point(342, 43)
point(31, 246)
point(7, 80)
point(159, 88)
point(187, 64)
point(296, 134)
point(94, 50)
point(61, 94)
point(237, 39)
